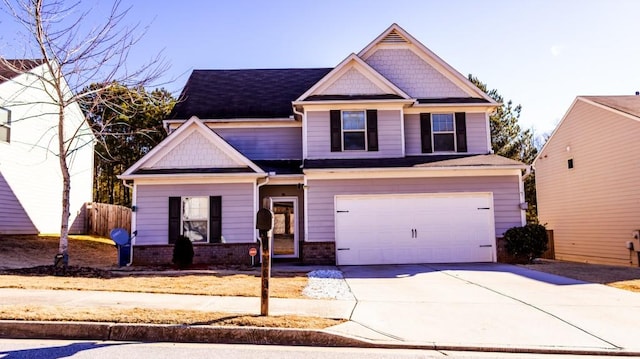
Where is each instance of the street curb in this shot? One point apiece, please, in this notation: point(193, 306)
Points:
point(244, 335)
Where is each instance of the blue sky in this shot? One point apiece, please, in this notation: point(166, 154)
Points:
point(540, 54)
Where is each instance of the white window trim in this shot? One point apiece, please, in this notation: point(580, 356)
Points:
point(365, 130)
point(6, 125)
point(208, 217)
point(433, 133)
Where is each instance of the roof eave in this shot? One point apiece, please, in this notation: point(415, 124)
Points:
point(166, 176)
point(416, 168)
point(338, 102)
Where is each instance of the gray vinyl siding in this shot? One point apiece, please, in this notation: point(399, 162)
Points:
point(321, 194)
point(152, 202)
point(13, 218)
point(389, 137)
point(265, 143)
point(593, 207)
point(476, 134)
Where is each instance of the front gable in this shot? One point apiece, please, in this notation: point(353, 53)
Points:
point(192, 148)
point(415, 69)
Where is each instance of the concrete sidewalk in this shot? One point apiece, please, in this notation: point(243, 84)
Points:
point(490, 307)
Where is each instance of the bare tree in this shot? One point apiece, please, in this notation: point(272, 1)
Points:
point(76, 53)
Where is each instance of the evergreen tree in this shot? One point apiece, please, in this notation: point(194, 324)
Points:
point(508, 139)
point(128, 124)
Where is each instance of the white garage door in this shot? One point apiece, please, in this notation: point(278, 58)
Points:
point(418, 228)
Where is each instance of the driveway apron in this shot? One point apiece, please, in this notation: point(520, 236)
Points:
point(492, 305)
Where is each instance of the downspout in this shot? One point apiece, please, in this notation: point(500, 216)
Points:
point(304, 130)
point(124, 183)
point(524, 204)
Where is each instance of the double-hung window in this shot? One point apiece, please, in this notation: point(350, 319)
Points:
point(5, 125)
point(354, 131)
point(444, 132)
point(198, 218)
point(195, 218)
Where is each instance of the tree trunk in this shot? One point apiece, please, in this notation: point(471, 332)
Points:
point(63, 248)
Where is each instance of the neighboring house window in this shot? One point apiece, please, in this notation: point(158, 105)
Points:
point(570, 163)
point(5, 125)
point(443, 132)
point(197, 218)
point(354, 130)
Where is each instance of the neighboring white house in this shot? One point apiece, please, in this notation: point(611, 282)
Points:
point(587, 181)
point(30, 176)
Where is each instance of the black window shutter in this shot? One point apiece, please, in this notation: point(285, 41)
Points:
point(372, 130)
point(174, 218)
point(336, 131)
point(461, 131)
point(215, 219)
point(425, 131)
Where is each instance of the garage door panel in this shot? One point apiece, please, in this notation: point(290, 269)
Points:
point(415, 229)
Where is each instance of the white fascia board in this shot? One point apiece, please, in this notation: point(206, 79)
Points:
point(239, 123)
point(353, 104)
point(371, 173)
point(451, 107)
point(286, 179)
point(190, 178)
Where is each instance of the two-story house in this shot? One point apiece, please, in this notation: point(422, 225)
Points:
point(30, 176)
point(385, 158)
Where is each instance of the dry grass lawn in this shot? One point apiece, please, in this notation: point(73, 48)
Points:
point(152, 316)
point(99, 257)
point(97, 253)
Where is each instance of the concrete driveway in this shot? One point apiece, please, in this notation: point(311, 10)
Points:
point(489, 306)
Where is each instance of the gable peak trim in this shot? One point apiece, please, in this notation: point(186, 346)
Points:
point(394, 37)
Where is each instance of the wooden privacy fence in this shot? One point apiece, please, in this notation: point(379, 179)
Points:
point(102, 218)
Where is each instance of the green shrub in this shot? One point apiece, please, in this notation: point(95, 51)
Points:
point(183, 252)
point(528, 242)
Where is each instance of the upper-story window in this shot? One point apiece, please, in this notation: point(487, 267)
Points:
point(5, 125)
point(354, 130)
point(443, 132)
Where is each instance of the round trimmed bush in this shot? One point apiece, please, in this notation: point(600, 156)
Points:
point(183, 252)
point(528, 242)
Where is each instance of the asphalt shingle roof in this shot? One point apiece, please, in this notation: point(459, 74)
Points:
point(228, 94)
point(627, 104)
point(10, 68)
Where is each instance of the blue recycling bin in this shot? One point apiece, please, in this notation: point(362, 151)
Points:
point(123, 242)
point(124, 254)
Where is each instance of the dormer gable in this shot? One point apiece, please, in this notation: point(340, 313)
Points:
point(353, 79)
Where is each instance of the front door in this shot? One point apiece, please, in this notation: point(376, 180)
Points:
point(285, 227)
